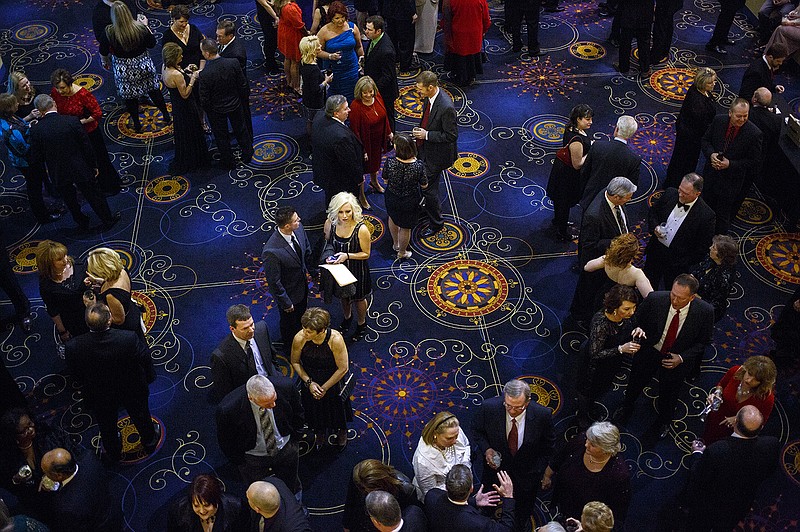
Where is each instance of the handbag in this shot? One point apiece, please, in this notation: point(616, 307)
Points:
point(346, 385)
point(564, 155)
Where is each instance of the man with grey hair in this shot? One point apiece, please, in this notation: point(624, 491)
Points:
point(61, 142)
point(258, 426)
point(274, 507)
point(516, 436)
point(386, 516)
point(552, 526)
point(609, 158)
point(338, 161)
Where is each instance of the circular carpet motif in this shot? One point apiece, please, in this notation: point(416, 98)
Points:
point(274, 149)
point(148, 306)
point(469, 165)
point(132, 450)
point(548, 129)
point(152, 122)
point(779, 254)
point(544, 392)
point(790, 460)
point(167, 188)
point(450, 237)
point(467, 288)
point(375, 226)
point(587, 50)
point(654, 143)
point(654, 197)
point(754, 212)
point(23, 257)
point(410, 104)
point(672, 83)
point(32, 31)
point(89, 82)
point(404, 394)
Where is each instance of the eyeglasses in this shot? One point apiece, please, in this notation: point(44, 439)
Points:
point(516, 408)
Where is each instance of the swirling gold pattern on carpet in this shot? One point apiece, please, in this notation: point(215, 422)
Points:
point(754, 212)
point(587, 50)
point(672, 83)
point(779, 254)
point(654, 143)
point(132, 449)
point(542, 78)
point(544, 392)
point(469, 166)
point(548, 129)
point(467, 288)
point(273, 98)
point(790, 460)
point(409, 103)
point(88, 81)
point(274, 150)
point(450, 237)
point(167, 188)
point(152, 122)
point(32, 31)
point(375, 226)
point(148, 306)
point(24, 257)
point(654, 197)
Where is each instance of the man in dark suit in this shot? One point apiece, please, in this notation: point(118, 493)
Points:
point(258, 426)
point(515, 12)
point(223, 88)
point(437, 137)
point(268, 20)
point(663, 28)
point(379, 64)
point(635, 18)
point(681, 227)
point(719, 39)
point(725, 476)
point(83, 500)
point(400, 16)
point(62, 143)
point(453, 509)
point(386, 516)
point(232, 48)
point(273, 504)
point(112, 364)
point(247, 351)
point(608, 159)
point(517, 437)
point(338, 162)
point(732, 147)
point(761, 72)
point(674, 328)
point(287, 261)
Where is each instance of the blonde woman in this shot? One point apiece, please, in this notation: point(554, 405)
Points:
point(313, 83)
point(20, 86)
point(106, 273)
point(370, 122)
point(443, 444)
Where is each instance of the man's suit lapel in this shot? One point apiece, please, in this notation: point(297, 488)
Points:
point(287, 247)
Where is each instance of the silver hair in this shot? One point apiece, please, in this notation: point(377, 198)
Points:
point(333, 103)
point(552, 526)
point(516, 387)
point(626, 126)
point(620, 186)
point(259, 386)
point(336, 203)
point(605, 436)
point(44, 102)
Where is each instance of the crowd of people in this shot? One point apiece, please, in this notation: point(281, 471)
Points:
point(479, 477)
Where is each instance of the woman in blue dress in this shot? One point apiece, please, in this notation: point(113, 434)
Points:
point(341, 50)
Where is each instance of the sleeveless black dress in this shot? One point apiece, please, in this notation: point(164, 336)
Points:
point(191, 151)
point(330, 412)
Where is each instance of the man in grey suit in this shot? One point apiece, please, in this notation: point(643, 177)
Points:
point(436, 136)
point(287, 259)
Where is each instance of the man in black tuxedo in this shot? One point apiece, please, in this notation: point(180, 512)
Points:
point(83, 501)
point(338, 162)
point(674, 329)
point(515, 12)
point(681, 227)
point(379, 64)
point(287, 261)
point(761, 72)
point(258, 426)
point(453, 509)
point(273, 504)
point(62, 143)
point(232, 48)
point(517, 437)
point(386, 516)
point(732, 147)
point(247, 351)
point(223, 88)
point(663, 28)
point(725, 476)
point(112, 364)
point(608, 159)
point(437, 138)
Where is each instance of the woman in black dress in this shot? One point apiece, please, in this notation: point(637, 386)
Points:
point(187, 36)
point(61, 287)
point(404, 176)
point(207, 507)
point(319, 356)
point(696, 114)
point(601, 353)
point(191, 150)
point(313, 83)
point(350, 237)
point(373, 475)
point(717, 274)
point(563, 185)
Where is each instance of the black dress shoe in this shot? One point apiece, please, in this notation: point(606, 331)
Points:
point(616, 67)
point(50, 218)
point(430, 231)
point(151, 446)
point(717, 49)
point(613, 41)
point(108, 224)
point(621, 415)
point(516, 49)
point(730, 42)
point(534, 52)
point(553, 9)
point(663, 431)
point(26, 323)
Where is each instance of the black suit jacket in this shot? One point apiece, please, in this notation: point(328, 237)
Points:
point(112, 364)
point(414, 519)
point(690, 244)
point(379, 64)
point(725, 478)
point(290, 516)
point(222, 86)
point(231, 366)
point(284, 271)
point(744, 153)
point(236, 426)
point(695, 334)
point(444, 516)
point(598, 228)
point(440, 150)
point(527, 466)
point(757, 75)
point(606, 160)
point(770, 125)
point(235, 50)
point(338, 162)
point(62, 143)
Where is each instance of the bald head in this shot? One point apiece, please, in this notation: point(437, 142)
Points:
point(748, 421)
point(58, 464)
point(264, 498)
point(762, 97)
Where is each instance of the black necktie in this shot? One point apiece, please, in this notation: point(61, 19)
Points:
point(296, 246)
point(251, 361)
point(620, 220)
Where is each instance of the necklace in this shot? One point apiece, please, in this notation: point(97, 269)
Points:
point(742, 392)
point(592, 460)
point(26, 447)
point(181, 34)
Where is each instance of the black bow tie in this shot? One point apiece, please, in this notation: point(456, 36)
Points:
point(684, 206)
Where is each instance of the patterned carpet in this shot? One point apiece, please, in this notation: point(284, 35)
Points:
point(192, 246)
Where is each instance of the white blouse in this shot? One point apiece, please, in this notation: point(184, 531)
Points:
point(432, 465)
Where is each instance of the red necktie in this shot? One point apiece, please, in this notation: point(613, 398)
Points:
point(426, 114)
point(513, 437)
point(730, 134)
point(672, 333)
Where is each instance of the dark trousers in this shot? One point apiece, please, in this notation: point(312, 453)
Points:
point(722, 196)
point(107, 177)
point(10, 285)
point(524, 499)
point(660, 267)
point(92, 195)
point(433, 208)
point(514, 17)
point(725, 21)
point(34, 179)
point(402, 34)
point(219, 125)
point(663, 28)
point(645, 365)
point(626, 36)
point(283, 465)
point(132, 106)
point(270, 36)
point(290, 324)
point(107, 413)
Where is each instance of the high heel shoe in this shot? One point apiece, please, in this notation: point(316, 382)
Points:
point(345, 325)
point(361, 332)
point(376, 188)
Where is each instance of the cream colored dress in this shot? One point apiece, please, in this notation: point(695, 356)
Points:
point(425, 28)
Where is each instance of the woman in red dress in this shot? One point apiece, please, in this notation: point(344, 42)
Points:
point(752, 383)
point(468, 22)
point(74, 100)
point(291, 29)
point(370, 123)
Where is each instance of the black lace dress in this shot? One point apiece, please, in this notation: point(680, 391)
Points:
point(716, 283)
point(330, 412)
point(359, 268)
